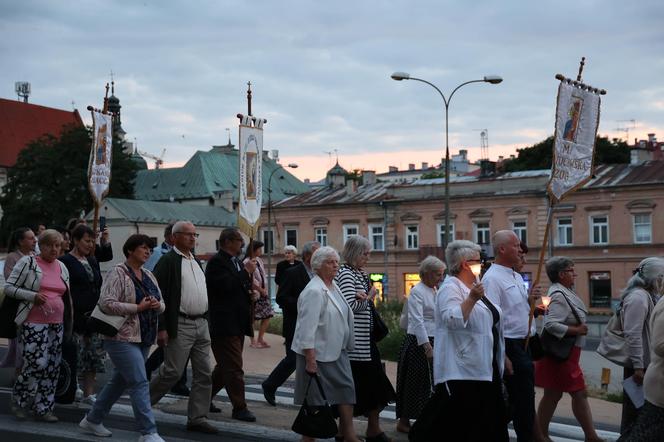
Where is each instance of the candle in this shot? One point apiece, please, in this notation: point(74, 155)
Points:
point(546, 300)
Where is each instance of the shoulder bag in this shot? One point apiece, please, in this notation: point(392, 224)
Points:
point(102, 323)
point(559, 349)
point(315, 421)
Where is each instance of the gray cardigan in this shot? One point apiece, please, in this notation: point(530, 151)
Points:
point(559, 315)
point(637, 305)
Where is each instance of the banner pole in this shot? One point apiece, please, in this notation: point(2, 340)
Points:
point(538, 275)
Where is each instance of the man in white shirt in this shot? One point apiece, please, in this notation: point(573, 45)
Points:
point(183, 327)
point(505, 288)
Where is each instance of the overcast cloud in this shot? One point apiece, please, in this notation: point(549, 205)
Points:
point(320, 71)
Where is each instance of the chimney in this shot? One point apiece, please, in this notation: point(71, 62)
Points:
point(351, 187)
point(425, 165)
point(464, 154)
point(393, 169)
point(501, 158)
point(411, 166)
point(512, 157)
point(368, 177)
point(307, 181)
point(652, 138)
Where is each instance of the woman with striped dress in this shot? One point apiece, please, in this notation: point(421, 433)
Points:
point(373, 390)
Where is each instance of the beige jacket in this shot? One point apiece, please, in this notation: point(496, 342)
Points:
point(653, 383)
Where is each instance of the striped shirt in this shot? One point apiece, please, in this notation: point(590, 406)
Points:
point(351, 280)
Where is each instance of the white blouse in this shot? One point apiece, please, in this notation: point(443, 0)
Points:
point(421, 307)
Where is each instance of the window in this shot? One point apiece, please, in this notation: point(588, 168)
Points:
point(520, 228)
point(482, 232)
point(599, 229)
point(412, 237)
point(291, 237)
point(320, 233)
point(350, 229)
point(268, 240)
point(377, 237)
point(642, 228)
point(441, 234)
point(600, 289)
point(564, 232)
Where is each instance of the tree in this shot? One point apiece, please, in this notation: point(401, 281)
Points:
point(49, 183)
point(539, 155)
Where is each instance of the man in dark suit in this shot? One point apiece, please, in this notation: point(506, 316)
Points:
point(228, 286)
point(294, 281)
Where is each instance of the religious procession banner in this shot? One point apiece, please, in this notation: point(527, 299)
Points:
point(99, 167)
point(251, 177)
point(577, 120)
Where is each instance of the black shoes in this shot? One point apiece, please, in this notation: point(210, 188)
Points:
point(180, 390)
point(244, 415)
point(269, 396)
point(214, 408)
point(202, 427)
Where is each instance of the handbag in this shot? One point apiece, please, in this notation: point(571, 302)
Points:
point(613, 345)
point(535, 347)
point(559, 349)
point(379, 330)
point(315, 420)
point(107, 325)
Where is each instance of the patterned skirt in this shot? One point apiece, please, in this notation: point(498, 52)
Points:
point(649, 426)
point(263, 308)
point(91, 353)
point(414, 378)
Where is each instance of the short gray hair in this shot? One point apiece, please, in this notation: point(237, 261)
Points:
point(290, 248)
point(49, 236)
point(355, 247)
point(308, 247)
point(321, 255)
point(430, 264)
point(178, 226)
point(648, 276)
point(459, 251)
point(556, 265)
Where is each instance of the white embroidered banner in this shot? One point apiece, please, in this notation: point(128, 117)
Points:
point(577, 120)
point(251, 178)
point(99, 167)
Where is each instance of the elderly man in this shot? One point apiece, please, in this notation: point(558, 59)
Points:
point(183, 327)
point(505, 288)
point(293, 281)
point(228, 286)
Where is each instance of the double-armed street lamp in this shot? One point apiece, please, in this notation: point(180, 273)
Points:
point(493, 79)
point(269, 225)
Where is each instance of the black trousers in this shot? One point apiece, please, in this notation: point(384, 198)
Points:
point(283, 370)
point(521, 389)
point(156, 359)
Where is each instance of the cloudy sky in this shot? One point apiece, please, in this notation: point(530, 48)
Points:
point(320, 71)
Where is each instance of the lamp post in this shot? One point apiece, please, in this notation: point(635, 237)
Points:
point(493, 79)
point(269, 225)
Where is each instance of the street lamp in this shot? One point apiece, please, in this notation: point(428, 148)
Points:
point(269, 224)
point(493, 79)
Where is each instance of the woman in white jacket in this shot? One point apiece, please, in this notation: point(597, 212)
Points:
point(468, 356)
point(323, 337)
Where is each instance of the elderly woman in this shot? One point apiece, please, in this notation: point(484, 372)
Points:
point(468, 355)
point(415, 369)
point(638, 299)
point(290, 253)
point(85, 284)
point(558, 377)
point(45, 316)
point(372, 387)
point(323, 337)
point(129, 290)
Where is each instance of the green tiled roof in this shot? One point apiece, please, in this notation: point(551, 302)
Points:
point(207, 173)
point(163, 213)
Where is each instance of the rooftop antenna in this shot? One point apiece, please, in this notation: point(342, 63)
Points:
point(484, 144)
point(22, 89)
point(626, 127)
point(249, 98)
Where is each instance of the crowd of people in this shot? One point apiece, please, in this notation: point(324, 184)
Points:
point(468, 365)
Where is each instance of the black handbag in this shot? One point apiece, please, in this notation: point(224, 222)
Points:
point(535, 347)
point(315, 420)
point(379, 329)
point(559, 349)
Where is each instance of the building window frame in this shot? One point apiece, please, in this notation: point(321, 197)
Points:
point(599, 230)
point(440, 228)
point(267, 236)
point(412, 236)
point(347, 227)
point(320, 235)
point(520, 230)
point(647, 225)
point(287, 240)
point(565, 231)
point(377, 239)
point(482, 231)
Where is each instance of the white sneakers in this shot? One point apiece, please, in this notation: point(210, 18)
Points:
point(97, 429)
point(89, 400)
point(153, 437)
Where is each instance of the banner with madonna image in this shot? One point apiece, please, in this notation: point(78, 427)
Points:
point(99, 166)
point(577, 120)
point(251, 175)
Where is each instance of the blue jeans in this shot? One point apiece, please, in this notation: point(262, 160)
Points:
point(129, 373)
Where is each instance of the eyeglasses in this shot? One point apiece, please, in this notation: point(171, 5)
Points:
point(190, 234)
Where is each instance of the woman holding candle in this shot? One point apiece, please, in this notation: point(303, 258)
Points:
point(558, 377)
